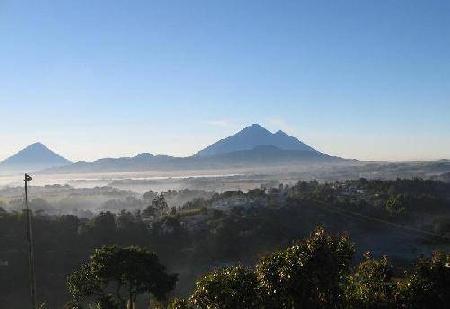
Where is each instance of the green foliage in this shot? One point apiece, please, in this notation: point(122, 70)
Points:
point(316, 273)
point(114, 275)
point(83, 285)
point(308, 273)
point(200, 236)
point(227, 288)
point(371, 284)
point(428, 285)
point(179, 303)
point(396, 205)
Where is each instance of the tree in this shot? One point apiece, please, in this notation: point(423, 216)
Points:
point(428, 285)
point(158, 207)
point(307, 274)
point(396, 205)
point(148, 212)
point(180, 303)
point(230, 287)
point(3, 212)
point(371, 285)
point(114, 276)
point(83, 285)
point(196, 203)
point(159, 203)
point(103, 227)
point(150, 195)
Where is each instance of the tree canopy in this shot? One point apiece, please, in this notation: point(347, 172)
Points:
point(115, 276)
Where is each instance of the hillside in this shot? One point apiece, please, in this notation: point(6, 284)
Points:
point(32, 158)
point(254, 136)
point(254, 146)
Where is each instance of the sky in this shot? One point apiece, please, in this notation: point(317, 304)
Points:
point(360, 79)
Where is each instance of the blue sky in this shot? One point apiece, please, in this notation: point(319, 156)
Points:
point(359, 79)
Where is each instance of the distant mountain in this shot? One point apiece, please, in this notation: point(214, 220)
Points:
point(253, 146)
point(260, 156)
point(140, 162)
point(254, 136)
point(33, 158)
point(268, 154)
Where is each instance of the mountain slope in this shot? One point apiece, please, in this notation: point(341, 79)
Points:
point(258, 157)
point(254, 136)
point(253, 146)
point(33, 157)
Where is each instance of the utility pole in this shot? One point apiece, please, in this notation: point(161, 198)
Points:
point(30, 246)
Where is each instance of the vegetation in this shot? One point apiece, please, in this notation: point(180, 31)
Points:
point(428, 284)
point(371, 284)
point(114, 275)
point(316, 273)
point(308, 273)
point(256, 230)
point(229, 287)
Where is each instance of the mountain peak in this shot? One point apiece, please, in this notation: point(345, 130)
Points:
point(253, 136)
point(35, 146)
point(255, 129)
point(33, 157)
point(281, 133)
point(256, 126)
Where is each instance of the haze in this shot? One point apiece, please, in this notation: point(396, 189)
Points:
point(199, 154)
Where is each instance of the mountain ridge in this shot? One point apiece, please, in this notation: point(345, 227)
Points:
point(258, 156)
point(250, 147)
point(252, 136)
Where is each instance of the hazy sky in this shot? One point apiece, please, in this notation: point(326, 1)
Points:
point(359, 79)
